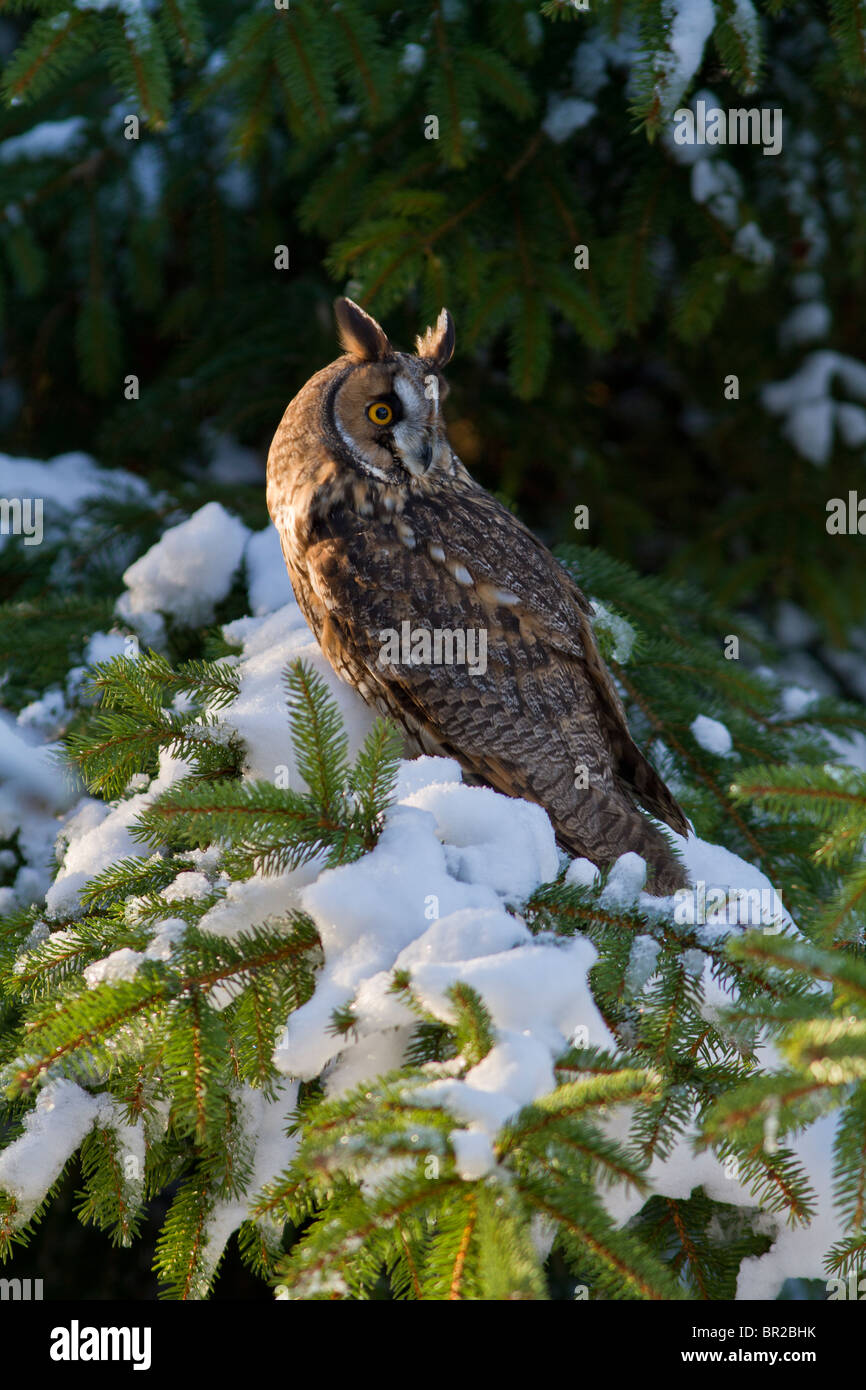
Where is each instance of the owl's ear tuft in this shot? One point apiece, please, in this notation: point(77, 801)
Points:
point(359, 333)
point(437, 344)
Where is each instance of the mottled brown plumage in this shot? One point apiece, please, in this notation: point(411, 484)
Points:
point(381, 525)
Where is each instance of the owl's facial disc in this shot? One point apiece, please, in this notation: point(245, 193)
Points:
point(387, 414)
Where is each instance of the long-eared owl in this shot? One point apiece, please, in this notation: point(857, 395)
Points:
point(445, 612)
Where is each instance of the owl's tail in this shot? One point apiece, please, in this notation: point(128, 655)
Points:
point(607, 826)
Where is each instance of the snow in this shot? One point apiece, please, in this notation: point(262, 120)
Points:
point(641, 963)
point(267, 582)
point(259, 714)
point(33, 792)
point(46, 716)
point(216, 61)
point(594, 56)
point(366, 913)
point(53, 1130)
point(28, 768)
point(64, 483)
point(747, 24)
point(796, 700)
point(412, 58)
point(165, 938)
point(809, 409)
point(751, 896)
point(62, 1117)
point(414, 776)
point(468, 931)
point(190, 886)
point(537, 995)
point(136, 21)
point(94, 835)
point(810, 430)
point(473, 1153)
point(125, 6)
point(618, 629)
point(263, 1122)
point(565, 115)
point(805, 324)
point(598, 52)
point(120, 965)
point(794, 627)
point(231, 462)
point(851, 423)
point(506, 844)
point(187, 572)
point(101, 646)
point(689, 150)
point(716, 182)
point(712, 735)
point(581, 873)
point(625, 881)
point(534, 28)
point(104, 646)
point(146, 170)
point(238, 186)
point(67, 480)
point(814, 379)
point(691, 23)
point(48, 140)
point(35, 824)
point(373, 918)
point(258, 899)
point(798, 1250)
point(123, 964)
point(750, 243)
point(801, 1248)
point(438, 900)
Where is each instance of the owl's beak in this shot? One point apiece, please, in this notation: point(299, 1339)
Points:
point(417, 458)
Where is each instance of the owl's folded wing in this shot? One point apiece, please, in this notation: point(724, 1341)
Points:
point(459, 562)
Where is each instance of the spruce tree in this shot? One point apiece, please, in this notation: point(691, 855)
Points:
point(184, 188)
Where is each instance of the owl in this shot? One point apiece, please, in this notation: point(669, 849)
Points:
point(444, 612)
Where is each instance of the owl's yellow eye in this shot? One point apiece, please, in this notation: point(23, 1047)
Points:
point(380, 413)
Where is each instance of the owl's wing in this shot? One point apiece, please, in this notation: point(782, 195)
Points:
point(457, 560)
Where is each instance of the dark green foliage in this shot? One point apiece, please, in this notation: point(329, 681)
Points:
point(159, 1036)
point(269, 828)
point(437, 1236)
point(828, 803)
point(703, 1240)
point(307, 127)
point(149, 252)
point(133, 723)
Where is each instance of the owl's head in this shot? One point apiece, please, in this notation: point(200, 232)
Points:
point(384, 406)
